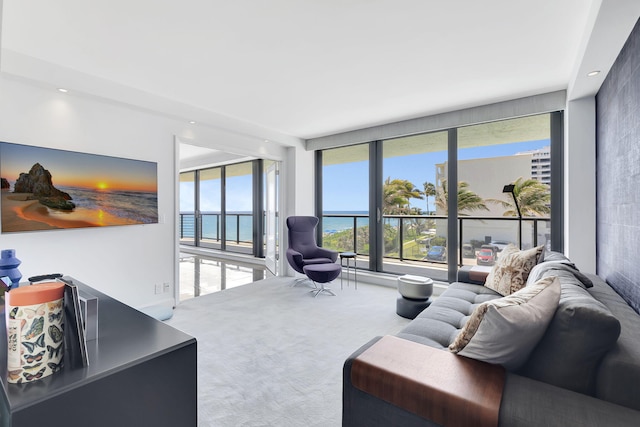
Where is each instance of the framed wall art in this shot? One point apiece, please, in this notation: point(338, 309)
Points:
point(48, 189)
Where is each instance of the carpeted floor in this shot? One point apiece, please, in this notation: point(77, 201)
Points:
point(271, 355)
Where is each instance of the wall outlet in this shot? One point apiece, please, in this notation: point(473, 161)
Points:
point(158, 288)
point(166, 287)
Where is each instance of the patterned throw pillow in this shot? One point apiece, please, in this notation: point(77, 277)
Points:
point(506, 330)
point(512, 269)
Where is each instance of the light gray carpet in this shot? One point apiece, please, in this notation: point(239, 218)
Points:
point(271, 355)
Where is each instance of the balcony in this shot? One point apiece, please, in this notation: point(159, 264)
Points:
point(409, 240)
point(239, 229)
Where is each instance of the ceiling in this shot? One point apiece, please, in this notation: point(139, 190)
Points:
point(309, 68)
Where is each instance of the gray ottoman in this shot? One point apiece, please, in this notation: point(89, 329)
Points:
point(322, 273)
point(414, 295)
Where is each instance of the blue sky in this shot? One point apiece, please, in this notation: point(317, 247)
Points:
point(74, 169)
point(346, 185)
point(239, 198)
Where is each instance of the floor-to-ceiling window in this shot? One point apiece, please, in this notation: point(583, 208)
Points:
point(345, 199)
point(210, 206)
point(414, 221)
point(218, 207)
point(239, 207)
point(494, 155)
point(500, 173)
point(188, 208)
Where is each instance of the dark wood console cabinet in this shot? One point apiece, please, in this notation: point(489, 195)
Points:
point(141, 373)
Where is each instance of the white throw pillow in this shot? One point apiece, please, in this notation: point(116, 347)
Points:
point(506, 330)
point(512, 269)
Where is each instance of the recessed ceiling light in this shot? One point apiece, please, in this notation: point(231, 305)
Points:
point(63, 90)
point(593, 73)
point(266, 140)
point(192, 122)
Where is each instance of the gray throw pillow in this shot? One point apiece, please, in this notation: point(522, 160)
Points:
point(580, 333)
point(505, 330)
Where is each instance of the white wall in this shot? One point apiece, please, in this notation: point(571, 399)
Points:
point(125, 262)
point(487, 177)
point(580, 183)
point(297, 192)
point(305, 173)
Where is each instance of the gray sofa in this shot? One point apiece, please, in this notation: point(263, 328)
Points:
point(585, 371)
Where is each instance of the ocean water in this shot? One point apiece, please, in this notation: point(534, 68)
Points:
point(210, 221)
point(332, 225)
point(141, 207)
point(244, 229)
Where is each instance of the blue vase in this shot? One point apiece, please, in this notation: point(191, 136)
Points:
point(9, 266)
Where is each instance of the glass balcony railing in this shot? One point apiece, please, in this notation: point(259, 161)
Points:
point(187, 226)
point(239, 227)
point(423, 238)
point(417, 239)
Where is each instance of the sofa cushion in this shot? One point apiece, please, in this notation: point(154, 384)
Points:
point(505, 330)
point(441, 322)
point(580, 333)
point(512, 269)
point(618, 377)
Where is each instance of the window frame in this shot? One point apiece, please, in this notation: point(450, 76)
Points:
point(376, 243)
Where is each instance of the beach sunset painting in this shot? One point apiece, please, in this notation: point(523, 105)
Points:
point(48, 189)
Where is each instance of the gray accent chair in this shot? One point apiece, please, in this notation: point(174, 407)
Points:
point(303, 249)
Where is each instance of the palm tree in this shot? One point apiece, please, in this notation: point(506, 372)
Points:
point(396, 195)
point(467, 199)
point(534, 198)
point(428, 190)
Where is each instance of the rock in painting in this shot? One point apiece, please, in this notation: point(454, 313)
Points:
point(57, 203)
point(4, 184)
point(38, 182)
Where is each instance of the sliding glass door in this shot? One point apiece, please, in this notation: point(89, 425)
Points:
point(271, 186)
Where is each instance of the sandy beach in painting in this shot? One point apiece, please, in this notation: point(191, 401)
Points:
point(20, 214)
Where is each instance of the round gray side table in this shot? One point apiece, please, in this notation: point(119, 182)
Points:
point(414, 295)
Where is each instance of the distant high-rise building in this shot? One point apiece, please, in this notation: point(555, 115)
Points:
point(540, 164)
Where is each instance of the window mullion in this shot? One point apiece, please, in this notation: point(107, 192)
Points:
point(376, 238)
point(557, 180)
point(452, 205)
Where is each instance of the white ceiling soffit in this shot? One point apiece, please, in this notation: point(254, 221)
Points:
point(607, 30)
point(195, 157)
point(307, 68)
